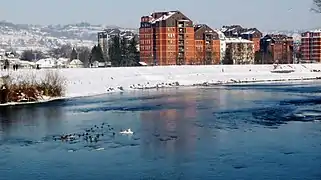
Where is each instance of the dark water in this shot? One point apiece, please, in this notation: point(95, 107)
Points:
point(263, 131)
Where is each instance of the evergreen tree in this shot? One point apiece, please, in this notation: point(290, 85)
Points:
point(124, 52)
point(96, 54)
point(100, 54)
point(115, 51)
point(228, 56)
point(83, 55)
point(73, 54)
point(133, 54)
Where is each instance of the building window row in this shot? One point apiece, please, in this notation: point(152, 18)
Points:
point(171, 35)
point(171, 29)
point(145, 41)
point(146, 30)
point(148, 48)
point(145, 36)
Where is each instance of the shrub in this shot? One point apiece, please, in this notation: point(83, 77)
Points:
point(52, 84)
point(27, 88)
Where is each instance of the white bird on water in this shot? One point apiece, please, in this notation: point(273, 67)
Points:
point(128, 131)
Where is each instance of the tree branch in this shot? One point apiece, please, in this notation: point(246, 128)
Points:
point(317, 6)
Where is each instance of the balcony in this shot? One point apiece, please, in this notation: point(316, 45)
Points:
point(181, 49)
point(208, 49)
point(181, 30)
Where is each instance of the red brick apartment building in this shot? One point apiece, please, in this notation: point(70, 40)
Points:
point(276, 48)
point(167, 38)
point(311, 46)
point(207, 45)
point(237, 31)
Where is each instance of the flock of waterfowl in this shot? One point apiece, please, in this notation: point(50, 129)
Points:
point(91, 135)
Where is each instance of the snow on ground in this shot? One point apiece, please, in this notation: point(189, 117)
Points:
point(88, 82)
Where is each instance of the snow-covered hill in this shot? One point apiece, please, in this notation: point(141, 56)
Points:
point(25, 36)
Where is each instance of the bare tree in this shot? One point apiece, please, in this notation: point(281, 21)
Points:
point(317, 6)
point(31, 55)
point(64, 51)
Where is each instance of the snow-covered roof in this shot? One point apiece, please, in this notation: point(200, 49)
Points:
point(143, 63)
point(63, 59)
point(46, 63)
point(249, 32)
point(316, 31)
point(163, 17)
point(76, 62)
point(237, 40)
point(27, 63)
point(220, 34)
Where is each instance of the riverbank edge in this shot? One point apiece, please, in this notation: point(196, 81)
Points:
point(205, 84)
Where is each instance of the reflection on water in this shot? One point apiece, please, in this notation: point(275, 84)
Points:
point(29, 121)
point(204, 133)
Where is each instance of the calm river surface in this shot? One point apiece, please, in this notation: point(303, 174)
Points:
point(262, 131)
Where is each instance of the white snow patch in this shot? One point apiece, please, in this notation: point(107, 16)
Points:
point(94, 81)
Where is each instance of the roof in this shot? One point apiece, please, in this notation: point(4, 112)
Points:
point(249, 32)
point(200, 26)
point(46, 62)
point(143, 63)
point(237, 40)
point(163, 17)
point(316, 31)
point(76, 62)
point(237, 30)
point(277, 37)
point(220, 34)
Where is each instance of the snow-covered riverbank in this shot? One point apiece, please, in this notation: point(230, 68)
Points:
point(89, 82)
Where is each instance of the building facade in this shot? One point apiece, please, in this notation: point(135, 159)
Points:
point(103, 42)
point(167, 38)
point(239, 51)
point(276, 49)
point(311, 46)
point(237, 31)
point(207, 45)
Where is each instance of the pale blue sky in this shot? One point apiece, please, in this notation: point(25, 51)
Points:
point(264, 14)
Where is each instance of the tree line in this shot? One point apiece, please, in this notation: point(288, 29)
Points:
point(121, 52)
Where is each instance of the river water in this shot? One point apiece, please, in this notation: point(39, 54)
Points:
point(261, 131)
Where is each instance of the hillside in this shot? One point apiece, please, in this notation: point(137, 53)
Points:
point(26, 36)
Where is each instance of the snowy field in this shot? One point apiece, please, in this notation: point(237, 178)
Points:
point(95, 81)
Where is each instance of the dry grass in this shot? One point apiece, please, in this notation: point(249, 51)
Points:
point(28, 88)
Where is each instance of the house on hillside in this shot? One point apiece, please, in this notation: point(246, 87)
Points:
point(76, 63)
point(46, 63)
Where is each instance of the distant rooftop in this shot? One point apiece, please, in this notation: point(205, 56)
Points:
point(161, 16)
point(237, 40)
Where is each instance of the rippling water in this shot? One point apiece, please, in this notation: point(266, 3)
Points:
point(261, 131)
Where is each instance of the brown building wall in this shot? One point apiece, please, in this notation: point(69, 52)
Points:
point(217, 51)
point(256, 42)
point(199, 52)
point(146, 45)
point(311, 46)
point(189, 45)
point(160, 41)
